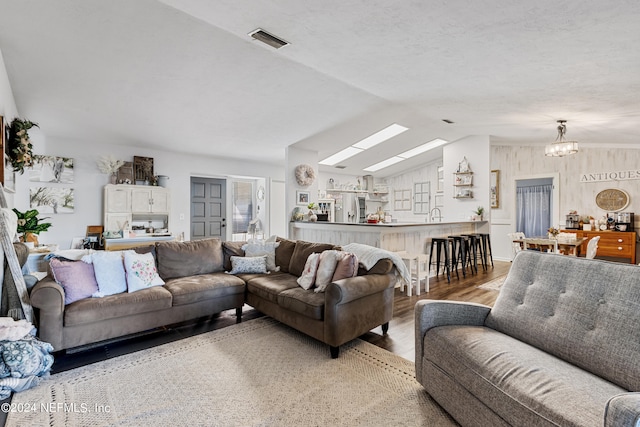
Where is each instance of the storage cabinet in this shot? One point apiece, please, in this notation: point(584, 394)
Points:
point(149, 200)
point(619, 244)
point(125, 203)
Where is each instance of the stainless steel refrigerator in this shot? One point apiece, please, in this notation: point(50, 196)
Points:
point(351, 208)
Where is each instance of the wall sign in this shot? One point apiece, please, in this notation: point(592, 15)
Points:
point(610, 176)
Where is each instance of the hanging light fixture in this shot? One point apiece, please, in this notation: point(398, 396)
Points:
point(561, 147)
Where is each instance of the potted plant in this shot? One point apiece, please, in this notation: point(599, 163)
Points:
point(479, 212)
point(30, 226)
point(110, 165)
point(19, 146)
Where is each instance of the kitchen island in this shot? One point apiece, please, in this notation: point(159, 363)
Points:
point(394, 237)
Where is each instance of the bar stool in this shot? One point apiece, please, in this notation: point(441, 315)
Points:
point(417, 266)
point(459, 254)
point(486, 247)
point(474, 251)
point(440, 244)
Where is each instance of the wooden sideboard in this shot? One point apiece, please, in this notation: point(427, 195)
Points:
point(619, 244)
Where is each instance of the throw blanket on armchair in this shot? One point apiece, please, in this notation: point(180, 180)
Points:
point(369, 255)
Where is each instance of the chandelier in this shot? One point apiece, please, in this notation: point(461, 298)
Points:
point(561, 147)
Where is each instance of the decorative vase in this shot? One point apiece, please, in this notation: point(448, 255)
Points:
point(312, 216)
point(29, 237)
point(113, 178)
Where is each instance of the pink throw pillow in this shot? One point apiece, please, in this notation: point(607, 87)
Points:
point(347, 266)
point(77, 278)
point(308, 277)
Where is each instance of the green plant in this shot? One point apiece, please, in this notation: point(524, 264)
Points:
point(312, 206)
point(479, 211)
point(20, 148)
point(28, 222)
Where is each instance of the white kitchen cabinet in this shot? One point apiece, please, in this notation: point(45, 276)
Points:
point(125, 203)
point(150, 200)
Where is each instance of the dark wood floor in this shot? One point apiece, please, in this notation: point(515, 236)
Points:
point(399, 340)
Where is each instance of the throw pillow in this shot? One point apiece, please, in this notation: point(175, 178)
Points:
point(109, 270)
point(141, 271)
point(263, 248)
point(248, 265)
point(76, 278)
point(308, 276)
point(326, 268)
point(346, 267)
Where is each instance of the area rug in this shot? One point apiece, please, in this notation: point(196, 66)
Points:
point(493, 285)
point(257, 373)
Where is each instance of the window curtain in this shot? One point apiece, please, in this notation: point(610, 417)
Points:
point(533, 216)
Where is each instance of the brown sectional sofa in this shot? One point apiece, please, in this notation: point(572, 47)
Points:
point(196, 285)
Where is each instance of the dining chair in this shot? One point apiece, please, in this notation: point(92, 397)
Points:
point(592, 247)
point(515, 246)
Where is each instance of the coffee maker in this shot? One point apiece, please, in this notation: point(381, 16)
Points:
point(625, 220)
point(572, 222)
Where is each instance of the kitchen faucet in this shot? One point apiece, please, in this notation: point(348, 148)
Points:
point(432, 216)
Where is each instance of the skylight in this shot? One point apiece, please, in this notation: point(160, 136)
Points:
point(406, 155)
point(368, 142)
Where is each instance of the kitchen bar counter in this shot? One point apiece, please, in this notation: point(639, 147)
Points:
point(394, 237)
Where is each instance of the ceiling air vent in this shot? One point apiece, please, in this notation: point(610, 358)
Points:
point(340, 167)
point(447, 121)
point(270, 39)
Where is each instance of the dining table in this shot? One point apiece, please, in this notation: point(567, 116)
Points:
point(571, 247)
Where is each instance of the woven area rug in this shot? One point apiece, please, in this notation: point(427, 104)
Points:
point(493, 285)
point(257, 373)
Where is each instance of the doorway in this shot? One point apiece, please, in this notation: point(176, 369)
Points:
point(536, 205)
point(208, 208)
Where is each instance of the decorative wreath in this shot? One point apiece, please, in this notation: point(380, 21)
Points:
point(305, 175)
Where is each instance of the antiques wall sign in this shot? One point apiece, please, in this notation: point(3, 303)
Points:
point(610, 176)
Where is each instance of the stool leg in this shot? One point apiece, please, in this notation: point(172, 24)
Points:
point(446, 261)
point(489, 249)
point(454, 257)
point(430, 257)
point(439, 250)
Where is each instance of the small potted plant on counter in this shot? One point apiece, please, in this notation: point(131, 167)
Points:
point(479, 212)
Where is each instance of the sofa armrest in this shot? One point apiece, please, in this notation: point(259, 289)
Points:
point(353, 288)
point(623, 410)
point(48, 297)
point(430, 313)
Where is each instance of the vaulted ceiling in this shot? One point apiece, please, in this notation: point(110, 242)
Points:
point(184, 75)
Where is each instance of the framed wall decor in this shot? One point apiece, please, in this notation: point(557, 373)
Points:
point(494, 188)
point(302, 197)
point(143, 169)
point(52, 200)
point(51, 169)
point(125, 174)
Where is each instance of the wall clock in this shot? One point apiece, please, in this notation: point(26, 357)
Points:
point(612, 199)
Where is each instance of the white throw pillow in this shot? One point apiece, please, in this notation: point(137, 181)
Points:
point(263, 248)
point(326, 268)
point(141, 271)
point(109, 269)
point(308, 277)
point(248, 265)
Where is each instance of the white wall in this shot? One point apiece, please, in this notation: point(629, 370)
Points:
point(476, 149)
point(294, 157)
point(89, 183)
point(428, 172)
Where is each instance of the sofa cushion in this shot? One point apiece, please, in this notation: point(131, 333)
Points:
point(582, 311)
point(248, 264)
point(269, 286)
point(141, 271)
point(307, 303)
point(181, 259)
point(284, 251)
point(109, 270)
point(190, 289)
point(521, 383)
point(302, 252)
point(77, 278)
point(230, 249)
point(91, 310)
